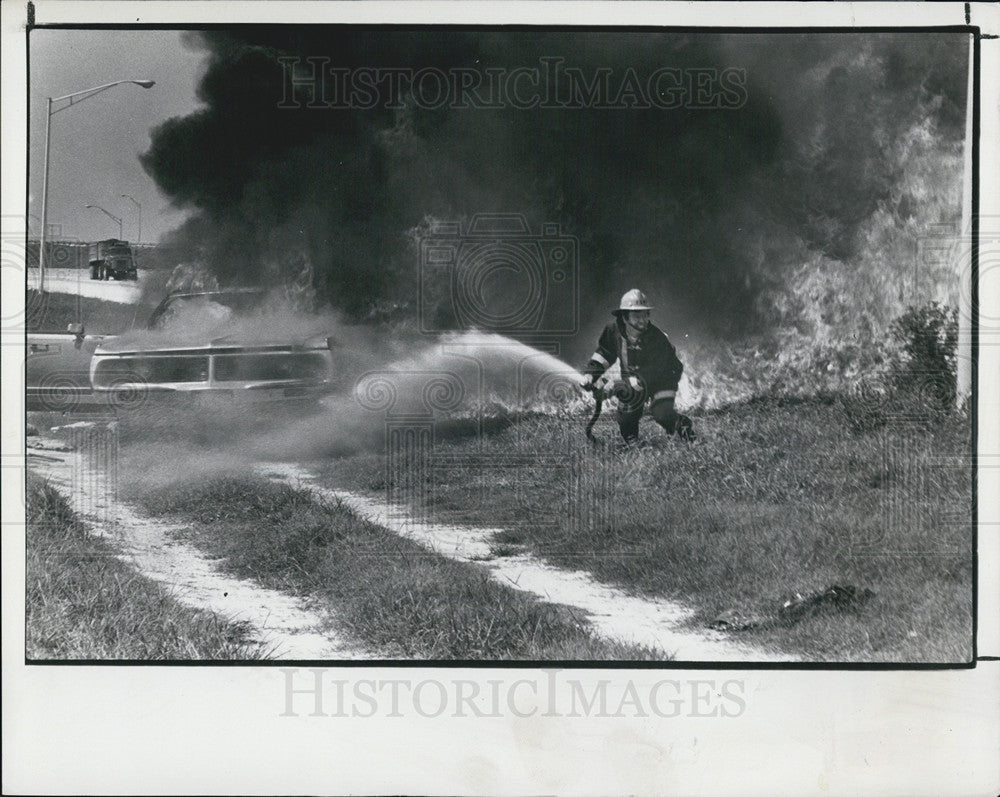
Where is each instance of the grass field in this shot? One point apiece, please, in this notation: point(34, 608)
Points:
point(51, 312)
point(84, 603)
point(386, 592)
point(775, 498)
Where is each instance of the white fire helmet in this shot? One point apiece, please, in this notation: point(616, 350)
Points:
point(633, 300)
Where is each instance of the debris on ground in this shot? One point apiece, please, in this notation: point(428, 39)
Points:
point(735, 620)
point(796, 607)
point(835, 597)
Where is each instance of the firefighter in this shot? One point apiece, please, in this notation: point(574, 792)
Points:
point(650, 370)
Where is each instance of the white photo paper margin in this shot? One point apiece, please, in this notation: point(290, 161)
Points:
point(191, 729)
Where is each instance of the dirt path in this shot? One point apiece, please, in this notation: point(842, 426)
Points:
point(292, 631)
point(284, 624)
point(614, 614)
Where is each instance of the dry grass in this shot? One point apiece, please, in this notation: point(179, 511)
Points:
point(51, 312)
point(85, 603)
point(775, 498)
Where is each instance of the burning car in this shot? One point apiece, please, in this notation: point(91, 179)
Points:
point(216, 342)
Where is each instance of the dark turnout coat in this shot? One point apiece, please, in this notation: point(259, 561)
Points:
point(653, 359)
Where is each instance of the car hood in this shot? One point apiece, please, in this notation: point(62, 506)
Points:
point(221, 346)
point(168, 342)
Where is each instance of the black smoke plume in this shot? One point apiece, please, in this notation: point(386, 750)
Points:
point(791, 211)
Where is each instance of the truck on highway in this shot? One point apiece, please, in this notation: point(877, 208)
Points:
point(112, 259)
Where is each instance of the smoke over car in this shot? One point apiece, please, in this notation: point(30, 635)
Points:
point(787, 215)
point(234, 341)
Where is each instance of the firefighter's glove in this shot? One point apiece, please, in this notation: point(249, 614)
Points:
point(587, 383)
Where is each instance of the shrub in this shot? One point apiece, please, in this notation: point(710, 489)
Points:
point(926, 362)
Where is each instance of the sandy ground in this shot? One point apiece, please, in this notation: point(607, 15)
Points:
point(614, 614)
point(283, 623)
point(78, 282)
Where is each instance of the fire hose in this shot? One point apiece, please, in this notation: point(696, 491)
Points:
point(628, 392)
point(600, 390)
point(598, 394)
point(623, 390)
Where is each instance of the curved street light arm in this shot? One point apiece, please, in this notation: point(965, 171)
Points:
point(110, 215)
point(80, 96)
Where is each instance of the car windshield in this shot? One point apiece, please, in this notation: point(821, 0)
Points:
point(207, 308)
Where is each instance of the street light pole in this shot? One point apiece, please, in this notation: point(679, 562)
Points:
point(74, 98)
point(112, 216)
point(135, 202)
point(45, 199)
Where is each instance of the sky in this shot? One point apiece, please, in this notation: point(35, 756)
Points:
point(96, 143)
